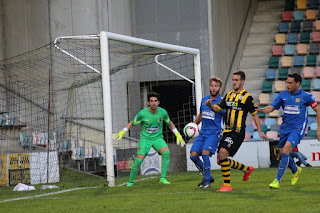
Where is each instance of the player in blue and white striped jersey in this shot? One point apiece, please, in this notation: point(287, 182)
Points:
point(295, 103)
point(212, 125)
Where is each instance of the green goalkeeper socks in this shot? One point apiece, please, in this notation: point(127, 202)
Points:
point(135, 169)
point(165, 163)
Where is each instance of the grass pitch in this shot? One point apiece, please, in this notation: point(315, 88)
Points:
point(182, 195)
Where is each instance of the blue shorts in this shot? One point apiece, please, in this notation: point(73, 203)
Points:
point(206, 142)
point(294, 137)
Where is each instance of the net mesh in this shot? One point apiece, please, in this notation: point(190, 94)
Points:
point(51, 109)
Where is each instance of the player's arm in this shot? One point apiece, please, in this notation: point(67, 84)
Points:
point(317, 110)
point(255, 118)
point(173, 128)
point(266, 109)
point(214, 107)
point(198, 119)
point(120, 134)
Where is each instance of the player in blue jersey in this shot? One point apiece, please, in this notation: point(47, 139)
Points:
point(294, 103)
point(207, 141)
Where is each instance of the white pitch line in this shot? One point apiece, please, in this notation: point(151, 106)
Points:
point(47, 194)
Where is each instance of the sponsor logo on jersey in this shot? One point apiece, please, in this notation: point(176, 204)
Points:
point(292, 109)
point(152, 129)
point(229, 141)
point(298, 100)
point(234, 105)
point(208, 115)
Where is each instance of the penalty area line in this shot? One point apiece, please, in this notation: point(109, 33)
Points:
point(47, 194)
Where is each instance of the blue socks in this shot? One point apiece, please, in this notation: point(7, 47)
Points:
point(198, 163)
point(286, 161)
point(206, 168)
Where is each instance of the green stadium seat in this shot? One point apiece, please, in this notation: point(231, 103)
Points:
point(311, 60)
point(295, 26)
point(312, 133)
point(306, 84)
point(283, 73)
point(273, 62)
point(267, 86)
point(264, 128)
point(304, 37)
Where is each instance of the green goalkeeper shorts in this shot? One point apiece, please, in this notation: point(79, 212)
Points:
point(145, 145)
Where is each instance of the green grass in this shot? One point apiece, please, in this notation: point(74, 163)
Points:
point(182, 195)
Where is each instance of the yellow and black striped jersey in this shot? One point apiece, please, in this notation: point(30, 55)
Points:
point(237, 106)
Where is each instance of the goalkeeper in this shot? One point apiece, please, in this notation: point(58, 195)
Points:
point(151, 120)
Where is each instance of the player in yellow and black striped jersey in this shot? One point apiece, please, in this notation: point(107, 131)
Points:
point(237, 104)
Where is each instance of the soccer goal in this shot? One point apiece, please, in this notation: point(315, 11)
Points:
point(60, 104)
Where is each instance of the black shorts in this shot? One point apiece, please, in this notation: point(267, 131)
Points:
point(231, 141)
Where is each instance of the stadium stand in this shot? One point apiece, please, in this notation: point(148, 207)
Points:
point(304, 37)
point(316, 84)
point(292, 38)
point(282, 73)
point(298, 15)
point(280, 38)
point(311, 14)
point(295, 26)
point(289, 50)
point(270, 74)
point(302, 49)
point(308, 72)
point(301, 4)
point(286, 16)
point(313, 4)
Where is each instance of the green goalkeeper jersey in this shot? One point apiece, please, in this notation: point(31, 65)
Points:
point(151, 124)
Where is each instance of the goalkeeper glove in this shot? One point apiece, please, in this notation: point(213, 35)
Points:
point(119, 135)
point(180, 140)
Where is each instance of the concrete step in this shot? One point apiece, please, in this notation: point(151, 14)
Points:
point(257, 50)
point(267, 17)
point(267, 38)
point(270, 5)
point(264, 27)
point(252, 61)
point(255, 73)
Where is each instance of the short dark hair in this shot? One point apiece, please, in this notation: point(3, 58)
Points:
point(296, 76)
point(215, 79)
point(153, 94)
point(241, 73)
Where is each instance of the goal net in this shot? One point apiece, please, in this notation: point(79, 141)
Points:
point(60, 104)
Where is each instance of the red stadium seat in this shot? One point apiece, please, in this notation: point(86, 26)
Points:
point(315, 36)
point(286, 15)
point(277, 50)
point(318, 72)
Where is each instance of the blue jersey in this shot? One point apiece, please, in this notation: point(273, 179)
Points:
point(211, 121)
point(295, 110)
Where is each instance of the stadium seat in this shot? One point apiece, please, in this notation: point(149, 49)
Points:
point(312, 134)
point(254, 124)
point(264, 128)
point(317, 25)
point(260, 114)
point(264, 99)
point(273, 135)
point(308, 72)
point(311, 14)
point(289, 5)
point(273, 62)
point(295, 70)
point(307, 26)
point(274, 96)
point(313, 4)
point(298, 15)
point(311, 60)
point(270, 74)
point(279, 121)
point(269, 122)
point(311, 112)
point(295, 27)
point(316, 95)
point(280, 38)
point(283, 27)
point(314, 48)
point(288, 49)
point(315, 36)
point(279, 86)
point(306, 84)
point(313, 126)
point(247, 136)
point(286, 16)
point(316, 84)
point(304, 37)
point(256, 136)
point(302, 49)
point(301, 4)
point(275, 127)
point(292, 38)
point(298, 61)
point(286, 61)
point(282, 73)
point(250, 129)
point(267, 86)
point(277, 50)
point(318, 72)
point(311, 119)
point(274, 114)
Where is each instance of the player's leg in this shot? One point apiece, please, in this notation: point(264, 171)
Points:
point(225, 167)
point(161, 146)
point(195, 151)
point(143, 149)
point(294, 139)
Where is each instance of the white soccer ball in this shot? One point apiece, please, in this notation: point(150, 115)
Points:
point(191, 130)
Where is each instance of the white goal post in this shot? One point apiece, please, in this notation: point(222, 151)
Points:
point(104, 38)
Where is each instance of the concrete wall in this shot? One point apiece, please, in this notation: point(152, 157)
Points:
point(26, 25)
point(228, 17)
